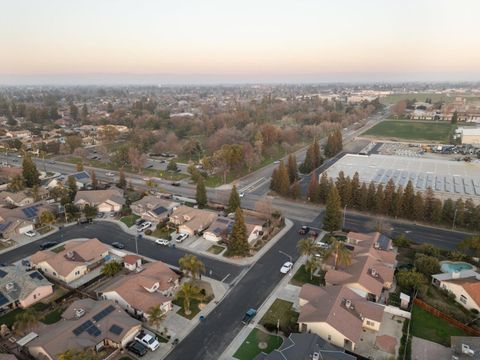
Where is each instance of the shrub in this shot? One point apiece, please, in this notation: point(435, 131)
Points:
point(148, 232)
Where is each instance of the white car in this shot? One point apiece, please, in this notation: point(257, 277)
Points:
point(323, 245)
point(286, 267)
point(109, 173)
point(144, 226)
point(164, 242)
point(31, 233)
point(149, 340)
point(180, 237)
point(242, 194)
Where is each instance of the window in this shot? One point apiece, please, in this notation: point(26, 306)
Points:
point(329, 337)
point(34, 296)
point(370, 323)
point(463, 299)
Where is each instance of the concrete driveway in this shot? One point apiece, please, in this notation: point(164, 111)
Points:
point(426, 350)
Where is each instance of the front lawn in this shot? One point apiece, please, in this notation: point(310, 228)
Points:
point(427, 326)
point(250, 347)
point(163, 233)
point(302, 276)
point(281, 310)
point(9, 318)
point(411, 130)
point(215, 249)
point(129, 220)
point(193, 307)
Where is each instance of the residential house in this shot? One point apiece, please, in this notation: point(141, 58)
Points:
point(105, 200)
point(192, 221)
point(153, 208)
point(85, 324)
point(76, 259)
point(132, 262)
point(372, 266)
point(305, 346)
point(82, 179)
point(22, 288)
point(19, 220)
point(465, 347)
point(20, 198)
point(337, 314)
point(139, 291)
point(221, 228)
point(464, 285)
point(20, 134)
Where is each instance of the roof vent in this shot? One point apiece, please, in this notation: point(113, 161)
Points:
point(348, 304)
point(70, 255)
point(10, 286)
point(374, 273)
point(79, 313)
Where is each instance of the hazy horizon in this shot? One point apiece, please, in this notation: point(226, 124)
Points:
point(216, 42)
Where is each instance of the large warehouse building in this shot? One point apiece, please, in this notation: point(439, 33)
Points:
point(470, 136)
point(447, 178)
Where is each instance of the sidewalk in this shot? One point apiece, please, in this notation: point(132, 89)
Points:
point(284, 290)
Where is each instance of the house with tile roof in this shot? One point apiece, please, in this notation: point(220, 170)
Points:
point(153, 208)
point(77, 258)
point(105, 200)
point(192, 221)
point(85, 324)
point(155, 284)
point(21, 219)
point(464, 285)
point(337, 314)
point(22, 288)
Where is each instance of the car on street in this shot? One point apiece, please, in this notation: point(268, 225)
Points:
point(149, 340)
point(144, 226)
point(31, 233)
point(164, 242)
point(304, 230)
point(48, 245)
point(276, 162)
point(100, 215)
point(180, 237)
point(175, 183)
point(285, 269)
point(137, 348)
point(109, 173)
point(118, 245)
point(249, 315)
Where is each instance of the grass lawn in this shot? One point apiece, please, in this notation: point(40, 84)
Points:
point(411, 130)
point(426, 326)
point(393, 98)
point(52, 317)
point(129, 220)
point(9, 318)
point(163, 233)
point(302, 276)
point(44, 229)
point(249, 349)
point(193, 307)
point(215, 249)
point(280, 310)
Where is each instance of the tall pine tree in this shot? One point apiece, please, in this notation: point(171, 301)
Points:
point(238, 241)
point(30, 172)
point(313, 188)
point(332, 220)
point(292, 169)
point(201, 193)
point(234, 200)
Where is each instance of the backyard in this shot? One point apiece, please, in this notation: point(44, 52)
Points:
point(410, 130)
point(427, 326)
point(250, 347)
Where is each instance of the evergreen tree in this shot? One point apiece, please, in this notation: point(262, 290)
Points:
point(418, 207)
point(460, 210)
point(397, 201)
point(408, 201)
point(363, 200)
point(448, 211)
point(429, 203)
point(436, 214)
point(317, 156)
point(372, 190)
point(355, 191)
point(84, 113)
point(72, 187)
point(309, 162)
point(470, 214)
point(379, 200)
point(122, 181)
point(389, 195)
point(295, 190)
point(454, 117)
point(344, 188)
point(292, 169)
point(79, 166)
point(238, 241)
point(93, 177)
point(172, 166)
point(313, 188)
point(274, 180)
point(201, 194)
point(334, 144)
point(332, 220)
point(323, 188)
point(234, 200)
point(30, 173)
point(283, 185)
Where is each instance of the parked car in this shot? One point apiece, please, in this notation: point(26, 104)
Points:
point(118, 245)
point(149, 340)
point(137, 348)
point(285, 269)
point(109, 173)
point(242, 194)
point(175, 183)
point(48, 245)
point(31, 233)
point(164, 242)
point(323, 245)
point(144, 226)
point(304, 230)
point(249, 315)
point(180, 237)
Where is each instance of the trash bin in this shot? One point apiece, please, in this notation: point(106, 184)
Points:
point(202, 318)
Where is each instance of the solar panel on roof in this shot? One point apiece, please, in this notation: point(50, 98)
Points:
point(2, 274)
point(159, 210)
point(36, 275)
point(78, 330)
point(93, 330)
point(104, 313)
point(3, 299)
point(5, 225)
point(115, 329)
point(81, 175)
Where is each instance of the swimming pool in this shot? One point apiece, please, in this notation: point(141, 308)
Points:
point(450, 266)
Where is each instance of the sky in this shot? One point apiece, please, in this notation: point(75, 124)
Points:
point(214, 41)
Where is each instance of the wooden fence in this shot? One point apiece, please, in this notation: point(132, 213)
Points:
point(441, 315)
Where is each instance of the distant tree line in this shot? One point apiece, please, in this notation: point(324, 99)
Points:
point(396, 202)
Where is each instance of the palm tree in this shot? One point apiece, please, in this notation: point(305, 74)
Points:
point(26, 320)
point(307, 247)
point(80, 354)
point(155, 315)
point(111, 268)
point(189, 292)
point(339, 252)
point(190, 264)
point(311, 265)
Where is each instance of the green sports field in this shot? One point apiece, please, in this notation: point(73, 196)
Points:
point(412, 130)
